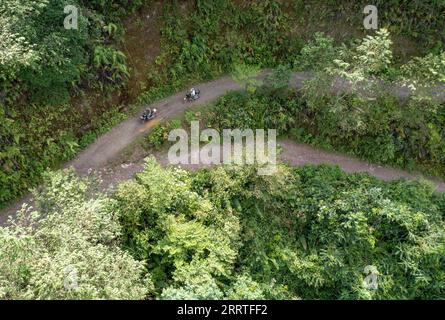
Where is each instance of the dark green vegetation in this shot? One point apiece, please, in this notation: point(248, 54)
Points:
point(228, 233)
point(45, 70)
point(306, 233)
point(416, 25)
point(367, 121)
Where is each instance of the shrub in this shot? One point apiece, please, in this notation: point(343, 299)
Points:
point(308, 232)
point(68, 249)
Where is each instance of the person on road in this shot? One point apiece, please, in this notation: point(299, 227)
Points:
point(149, 114)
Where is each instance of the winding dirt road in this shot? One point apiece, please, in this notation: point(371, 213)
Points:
point(109, 146)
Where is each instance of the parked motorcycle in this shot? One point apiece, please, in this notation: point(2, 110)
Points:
point(192, 95)
point(148, 115)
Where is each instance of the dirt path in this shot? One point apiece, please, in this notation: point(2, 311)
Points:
point(293, 153)
point(109, 146)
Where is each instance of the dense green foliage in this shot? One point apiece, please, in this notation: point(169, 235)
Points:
point(367, 120)
point(376, 126)
point(218, 33)
point(69, 248)
point(41, 61)
point(42, 64)
point(382, 130)
point(226, 232)
point(306, 232)
point(206, 39)
point(159, 135)
point(419, 21)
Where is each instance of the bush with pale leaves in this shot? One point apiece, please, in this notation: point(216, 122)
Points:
point(68, 249)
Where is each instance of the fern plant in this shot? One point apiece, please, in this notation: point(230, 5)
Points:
point(111, 66)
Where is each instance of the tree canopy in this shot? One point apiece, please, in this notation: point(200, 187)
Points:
point(227, 233)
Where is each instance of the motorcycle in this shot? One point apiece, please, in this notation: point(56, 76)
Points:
point(148, 115)
point(190, 97)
